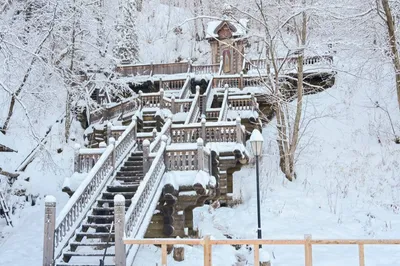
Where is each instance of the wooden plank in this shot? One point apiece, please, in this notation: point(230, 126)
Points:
point(361, 254)
point(256, 255)
point(308, 250)
point(164, 254)
point(207, 249)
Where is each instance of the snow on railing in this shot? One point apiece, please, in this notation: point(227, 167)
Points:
point(172, 84)
point(224, 107)
point(85, 158)
point(207, 99)
point(206, 69)
point(144, 201)
point(188, 158)
point(208, 131)
point(185, 89)
point(195, 108)
point(165, 131)
point(84, 197)
point(152, 99)
point(112, 111)
point(242, 102)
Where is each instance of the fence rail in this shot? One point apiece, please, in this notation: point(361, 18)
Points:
point(307, 242)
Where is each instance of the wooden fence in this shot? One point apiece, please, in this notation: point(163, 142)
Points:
point(307, 242)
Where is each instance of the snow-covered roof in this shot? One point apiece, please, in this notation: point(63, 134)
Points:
point(238, 28)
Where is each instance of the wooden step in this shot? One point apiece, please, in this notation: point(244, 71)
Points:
point(110, 202)
point(123, 188)
point(87, 254)
point(96, 226)
point(92, 244)
point(111, 194)
point(79, 264)
point(129, 178)
point(95, 234)
point(134, 162)
point(130, 173)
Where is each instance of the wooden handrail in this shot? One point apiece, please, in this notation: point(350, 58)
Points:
point(307, 242)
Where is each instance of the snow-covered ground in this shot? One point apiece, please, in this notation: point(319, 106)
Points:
point(348, 170)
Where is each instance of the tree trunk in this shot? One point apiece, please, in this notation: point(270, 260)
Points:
point(393, 45)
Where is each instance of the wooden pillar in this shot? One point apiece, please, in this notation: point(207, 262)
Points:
point(241, 83)
point(161, 84)
point(151, 68)
point(361, 256)
point(207, 251)
point(49, 227)
point(308, 250)
point(154, 133)
point(112, 142)
point(77, 163)
point(108, 134)
point(203, 130)
point(173, 107)
point(146, 153)
point(239, 134)
point(119, 221)
point(134, 120)
point(161, 98)
point(200, 154)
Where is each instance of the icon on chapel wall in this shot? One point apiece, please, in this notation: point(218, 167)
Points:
point(227, 61)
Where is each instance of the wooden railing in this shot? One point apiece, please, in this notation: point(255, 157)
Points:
point(85, 195)
point(307, 242)
point(213, 113)
point(185, 89)
point(289, 62)
point(242, 102)
point(206, 97)
point(106, 113)
point(173, 84)
point(85, 159)
point(231, 81)
point(205, 69)
point(195, 108)
point(153, 69)
point(224, 107)
point(209, 132)
point(139, 214)
point(189, 158)
point(152, 99)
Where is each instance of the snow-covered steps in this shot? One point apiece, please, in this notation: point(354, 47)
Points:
point(96, 234)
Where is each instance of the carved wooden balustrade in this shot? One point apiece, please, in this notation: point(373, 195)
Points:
point(177, 105)
point(288, 62)
point(139, 213)
point(194, 111)
point(189, 157)
point(185, 91)
point(224, 107)
point(153, 69)
point(213, 113)
point(242, 102)
point(85, 159)
point(231, 81)
point(205, 69)
point(209, 131)
point(81, 201)
point(152, 99)
point(115, 110)
point(172, 84)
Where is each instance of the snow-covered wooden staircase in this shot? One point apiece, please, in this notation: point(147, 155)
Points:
point(94, 236)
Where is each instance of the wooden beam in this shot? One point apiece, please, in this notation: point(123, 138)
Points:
point(361, 254)
point(256, 255)
point(164, 254)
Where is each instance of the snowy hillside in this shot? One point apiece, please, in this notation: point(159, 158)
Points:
point(348, 181)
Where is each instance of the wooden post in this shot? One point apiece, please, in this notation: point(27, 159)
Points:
point(253, 102)
point(112, 142)
point(207, 251)
point(200, 154)
point(146, 153)
point(119, 221)
point(173, 107)
point(164, 254)
point(161, 84)
point(154, 133)
point(134, 120)
point(109, 125)
point(361, 254)
point(77, 163)
point(49, 227)
point(161, 98)
point(241, 83)
point(203, 129)
point(151, 68)
point(256, 255)
point(239, 135)
point(197, 89)
point(308, 250)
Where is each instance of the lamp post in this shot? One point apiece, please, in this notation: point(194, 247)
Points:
point(256, 141)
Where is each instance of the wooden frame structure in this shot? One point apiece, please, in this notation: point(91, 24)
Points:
point(307, 242)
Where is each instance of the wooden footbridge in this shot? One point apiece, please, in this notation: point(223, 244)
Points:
point(165, 152)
